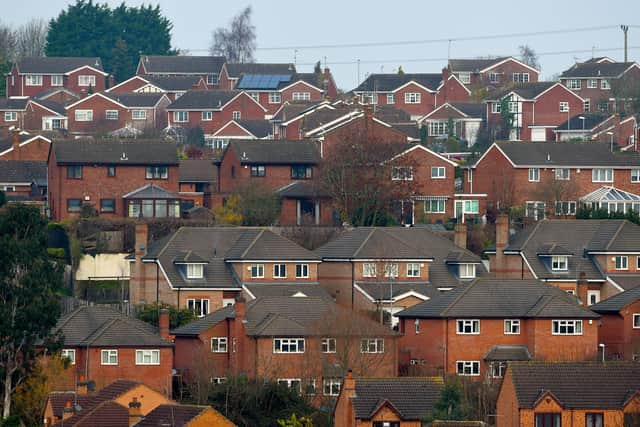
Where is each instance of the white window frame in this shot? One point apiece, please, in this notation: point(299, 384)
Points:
point(391, 269)
point(438, 128)
point(218, 380)
point(151, 354)
point(592, 84)
point(604, 84)
point(236, 115)
point(200, 306)
point(275, 97)
point(494, 77)
point(621, 262)
point(86, 81)
point(587, 105)
point(496, 107)
point(438, 172)
point(181, 116)
point(391, 99)
point(472, 325)
point(301, 96)
point(83, 115)
point(574, 84)
point(328, 345)
point(302, 271)
point(635, 321)
point(497, 369)
point(439, 204)
point(110, 355)
point(559, 263)
point(564, 106)
point(371, 345)
point(412, 98)
point(369, 269)
point(563, 174)
point(57, 80)
point(138, 114)
point(331, 386)
point(195, 271)
point(219, 344)
point(413, 269)
point(69, 353)
point(255, 96)
point(467, 271)
point(535, 209)
point(279, 271)
point(465, 77)
point(402, 173)
point(593, 293)
point(291, 383)
point(257, 271)
point(33, 80)
point(512, 326)
point(520, 77)
point(297, 344)
point(534, 174)
point(468, 368)
point(109, 115)
point(563, 323)
point(468, 206)
point(635, 175)
point(206, 116)
point(10, 116)
point(566, 207)
point(213, 79)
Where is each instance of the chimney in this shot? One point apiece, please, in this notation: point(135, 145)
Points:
point(163, 323)
point(112, 81)
point(83, 385)
point(460, 235)
point(502, 241)
point(135, 411)
point(142, 237)
point(582, 286)
point(15, 144)
point(446, 72)
point(349, 390)
point(68, 410)
point(239, 362)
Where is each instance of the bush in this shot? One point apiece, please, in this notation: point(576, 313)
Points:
point(177, 316)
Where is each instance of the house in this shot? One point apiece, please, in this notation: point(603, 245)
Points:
point(21, 145)
point(303, 342)
point(13, 111)
point(122, 179)
point(466, 117)
point(399, 402)
point(620, 329)
point(105, 345)
point(569, 393)
point(118, 113)
point(554, 179)
point(474, 330)
point(58, 95)
point(198, 179)
point(208, 68)
point(595, 81)
point(291, 111)
point(184, 416)
point(600, 127)
point(23, 180)
point(492, 72)
point(240, 129)
point(30, 76)
point(233, 71)
point(592, 259)
point(535, 109)
point(205, 269)
point(32, 114)
point(392, 268)
point(173, 86)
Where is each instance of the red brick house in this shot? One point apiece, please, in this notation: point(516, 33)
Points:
point(232, 72)
point(600, 127)
point(13, 112)
point(620, 329)
point(474, 330)
point(22, 145)
point(104, 345)
point(118, 113)
point(197, 181)
point(569, 394)
point(536, 108)
point(31, 75)
point(32, 114)
point(468, 118)
point(173, 86)
point(209, 68)
point(239, 129)
point(492, 73)
point(23, 180)
point(291, 112)
point(127, 179)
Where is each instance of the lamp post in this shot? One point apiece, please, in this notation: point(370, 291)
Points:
point(602, 346)
point(610, 139)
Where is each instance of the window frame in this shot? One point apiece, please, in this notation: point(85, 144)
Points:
point(402, 173)
point(534, 174)
point(330, 383)
point(258, 171)
point(275, 98)
point(69, 353)
point(257, 271)
point(33, 80)
point(194, 271)
point(308, 172)
point(301, 96)
point(412, 98)
point(559, 263)
point(147, 352)
point(156, 172)
point(462, 324)
point(326, 345)
point(109, 114)
point(511, 325)
point(372, 345)
point(592, 83)
point(570, 205)
point(279, 271)
point(574, 84)
point(58, 81)
point(302, 271)
point(635, 178)
point(623, 264)
point(13, 116)
point(109, 353)
point(440, 205)
point(576, 324)
point(470, 272)
point(74, 172)
point(290, 383)
point(473, 365)
point(594, 419)
point(520, 77)
point(221, 345)
point(107, 210)
point(464, 77)
point(564, 106)
point(604, 84)
point(289, 343)
point(180, 116)
point(413, 269)
point(597, 172)
point(73, 209)
point(391, 270)
point(83, 115)
point(137, 113)
point(561, 175)
point(391, 99)
point(635, 321)
point(86, 80)
point(369, 269)
point(437, 170)
point(200, 306)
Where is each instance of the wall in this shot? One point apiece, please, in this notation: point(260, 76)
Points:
point(104, 265)
point(507, 411)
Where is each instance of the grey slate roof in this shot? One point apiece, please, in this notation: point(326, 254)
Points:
point(135, 100)
point(412, 397)
point(626, 281)
point(52, 105)
point(505, 353)
point(527, 91)
point(390, 82)
point(476, 110)
point(275, 152)
point(200, 325)
point(581, 385)
point(472, 65)
point(291, 109)
point(596, 70)
point(136, 153)
point(617, 302)
point(198, 170)
point(13, 104)
point(260, 290)
point(258, 128)
point(99, 326)
point(384, 291)
point(235, 70)
point(150, 191)
point(23, 171)
point(182, 64)
point(591, 120)
point(302, 190)
point(55, 65)
point(197, 100)
point(173, 83)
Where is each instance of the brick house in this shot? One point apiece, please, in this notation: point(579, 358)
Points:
point(474, 330)
point(620, 329)
point(127, 179)
point(32, 114)
point(185, 416)
point(291, 112)
point(173, 86)
point(23, 180)
point(392, 268)
point(104, 345)
point(536, 108)
point(239, 129)
point(569, 393)
point(492, 73)
point(303, 342)
point(21, 145)
point(13, 112)
point(198, 179)
point(467, 118)
point(600, 127)
point(233, 71)
point(118, 113)
point(205, 269)
point(209, 68)
point(31, 75)
point(554, 179)
point(595, 81)
point(377, 402)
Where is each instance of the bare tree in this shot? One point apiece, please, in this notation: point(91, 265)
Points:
point(7, 43)
point(238, 42)
point(31, 38)
point(529, 56)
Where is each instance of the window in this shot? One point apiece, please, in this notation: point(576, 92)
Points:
point(559, 262)
point(412, 98)
point(413, 269)
point(402, 173)
point(564, 107)
point(292, 383)
point(391, 99)
point(301, 96)
point(258, 170)
point(328, 345)
point(494, 77)
point(465, 78)
point(438, 128)
point(592, 84)
point(372, 345)
point(535, 210)
point(495, 107)
point(83, 115)
point(548, 420)
point(74, 172)
point(74, 205)
point(638, 263)
point(573, 84)
point(368, 269)
point(604, 84)
point(521, 77)
point(56, 80)
point(636, 321)
point(434, 206)
point(147, 357)
point(594, 419)
point(279, 271)
point(107, 205)
point(622, 262)
point(257, 271)
point(512, 326)
point(288, 345)
point(207, 116)
point(310, 388)
point(468, 367)
point(565, 208)
point(218, 380)
point(391, 270)
point(10, 116)
point(236, 115)
point(212, 79)
point(587, 105)
point(139, 115)
point(32, 80)
point(416, 324)
point(180, 116)
point(275, 98)
point(331, 386)
point(111, 171)
point(301, 172)
point(498, 369)
point(195, 271)
point(437, 172)
point(534, 174)
point(635, 175)
point(111, 114)
point(386, 424)
point(468, 327)
point(593, 297)
point(8, 188)
point(69, 354)
point(467, 271)
point(109, 357)
point(219, 345)
point(157, 172)
point(467, 207)
point(302, 271)
point(216, 143)
point(566, 327)
point(87, 81)
point(563, 174)
point(254, 95)
point(369, 98)
point(200, 306)
point(603, 106)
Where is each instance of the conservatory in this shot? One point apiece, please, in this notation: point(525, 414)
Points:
point(612, 200)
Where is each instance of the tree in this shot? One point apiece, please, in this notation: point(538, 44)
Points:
point(294, 421)
point(150, 313)
point(3, 198)
point(506, 118)
point(529, 56)
point(195, 136)
point(7, 54)
point(238, 42)
point(259, 206)
point(400, 71)
point(451, 404)
point(29, 306)
point(229, 212)
point(31, 38)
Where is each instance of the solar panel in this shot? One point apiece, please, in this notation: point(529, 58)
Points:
point(263, 81)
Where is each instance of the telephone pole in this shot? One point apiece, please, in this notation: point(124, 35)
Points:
point(624, 29)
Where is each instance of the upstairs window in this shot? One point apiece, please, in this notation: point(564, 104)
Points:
point(593, 419)
point(467, 271)
point(236, 115)
point(87, 81)
point(412, 98)
point(468, 326)
point(258, 170)
point(180, 116)
point(275, 98)
point(465, 78)
point(573, 84)
point(438, 172)
point(288, 345)
point(257, 271)
point(520, 77)
point(147, 357)
point(495, 107)
point(635, 175)
point(391, 270)
point(56, 80)
point(468, 367)
point(534, 174)
point(69, 354)
point(592, 84)
point(199, 306)
point(111, 115)
point(548, 419)
point(109, 357)
point(33, 80)
point(402, 173)
point(157, 172)
point(207, 116)
point(564, 107)
point(302, 271)
point(636, 321)
point(195, 271)
point(212, 79)
point(279, 271)
point(494, 77)
point(83, 115)
point(331, 386)
point(391, 99)
point(622, 262)
point(566, 327)
point(301, 96)
point(74, 172)
point(438, 128)
point(604, 84)
point(301, 172)
point(559, 262)
point(512, 327)
point(372, 345)
point(10, 116)
point(602, 175)
point(368, 269)
point(563, 174)
point(413, 269)
point(328, 345)
point(219, 345)
point(139, 115)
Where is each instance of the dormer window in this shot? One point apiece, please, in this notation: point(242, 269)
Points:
point(559, 262)
point(467, 271)
point(195, 271)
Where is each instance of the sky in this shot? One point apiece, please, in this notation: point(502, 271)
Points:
point(414, 34)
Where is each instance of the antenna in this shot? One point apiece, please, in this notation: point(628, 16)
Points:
point(624, 29)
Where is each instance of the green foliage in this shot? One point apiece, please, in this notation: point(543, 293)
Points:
point(177, 316)
point(450, 127)
point(423, 134)
point(3, 198)
point(195, 136)
point(506, 118)
point(259, 206)
point(229, 213)
point(584, 212)
point(294, 421)
point(451, 404)
point(117, 36)
point(88, 211)
point(400, 71)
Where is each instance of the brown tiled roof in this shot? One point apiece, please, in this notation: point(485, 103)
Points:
point(173, 415)
point(584, 385)
point(115, 153)
point(59, 399)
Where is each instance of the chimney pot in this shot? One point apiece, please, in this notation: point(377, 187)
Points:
point(460, 235)
point(15, 144)
point(163, 323)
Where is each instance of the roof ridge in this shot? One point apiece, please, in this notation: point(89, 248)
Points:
point(457, 298)
point(253, 242)
point(373, 229)
point(161, 252)
point(615, 235)
point(529, 237)
point(100, 330)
